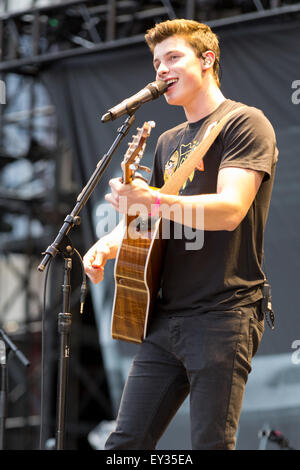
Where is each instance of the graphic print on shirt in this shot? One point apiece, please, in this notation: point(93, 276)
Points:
point(178, 158)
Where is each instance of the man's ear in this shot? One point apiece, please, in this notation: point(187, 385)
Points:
point(208, 59)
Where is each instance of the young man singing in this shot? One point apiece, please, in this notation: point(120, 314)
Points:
point(208, 320)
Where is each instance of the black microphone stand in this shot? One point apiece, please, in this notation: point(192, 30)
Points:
point(6, 345)
point(63, 244)
point(64, 330)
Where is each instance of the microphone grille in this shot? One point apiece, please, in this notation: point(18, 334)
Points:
point(157, 88)
point(161, 86)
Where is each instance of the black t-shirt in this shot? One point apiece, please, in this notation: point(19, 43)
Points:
point(225, 271)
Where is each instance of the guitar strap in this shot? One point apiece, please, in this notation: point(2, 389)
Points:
point(179, 177)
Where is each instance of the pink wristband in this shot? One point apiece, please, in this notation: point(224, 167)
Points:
point(156, 206)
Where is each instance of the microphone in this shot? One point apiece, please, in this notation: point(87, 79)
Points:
point(150, 92)
point(14, 349)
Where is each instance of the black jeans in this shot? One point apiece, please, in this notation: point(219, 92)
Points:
point(207, 356)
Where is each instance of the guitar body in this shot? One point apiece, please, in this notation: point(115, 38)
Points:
point(137, 281)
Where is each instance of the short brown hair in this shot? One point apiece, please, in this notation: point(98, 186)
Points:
point(198, 35)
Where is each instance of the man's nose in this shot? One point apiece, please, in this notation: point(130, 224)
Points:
point(161, 70)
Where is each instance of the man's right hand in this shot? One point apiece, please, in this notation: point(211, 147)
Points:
point(94, 261)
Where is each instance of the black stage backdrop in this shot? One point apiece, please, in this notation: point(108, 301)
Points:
point(260, 67)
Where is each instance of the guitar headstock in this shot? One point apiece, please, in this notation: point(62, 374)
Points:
point(136, 150)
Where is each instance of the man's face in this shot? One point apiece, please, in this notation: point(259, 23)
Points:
point(174, 60)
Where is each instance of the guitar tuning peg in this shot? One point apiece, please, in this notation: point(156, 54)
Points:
point(144, 168)
point(133, 167)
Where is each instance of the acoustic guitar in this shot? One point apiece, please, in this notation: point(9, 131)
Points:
point(139, 260)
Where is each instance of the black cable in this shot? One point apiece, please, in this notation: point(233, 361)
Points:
point(84, 283)
point(43, 353)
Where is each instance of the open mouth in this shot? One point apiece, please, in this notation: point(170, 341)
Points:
point(171, 83)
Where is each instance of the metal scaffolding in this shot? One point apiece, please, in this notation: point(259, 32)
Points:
point(40, 35)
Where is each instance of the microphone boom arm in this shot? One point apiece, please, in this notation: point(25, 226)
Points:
point(73, 218)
